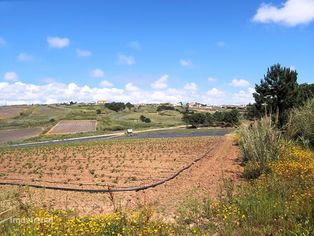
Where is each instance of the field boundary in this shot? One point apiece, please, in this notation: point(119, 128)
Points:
point(111, 190)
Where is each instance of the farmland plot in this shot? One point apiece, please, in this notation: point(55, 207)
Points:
point(73, 126)
point(11, 111)
point(18, 134)
point(98, 165)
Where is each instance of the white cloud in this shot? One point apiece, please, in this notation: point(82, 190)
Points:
point(97, 73)
point(10, 76)
point(2, 41)
point(57, 42)
point(24, 57)
point(185, 63)
point(161, 83)
point(214, 92)
point(211, 79)
point(131, 88)
point(22, 93)
point(191, 86)
point(290, 13)
point(105, 84)
point(53, 92)
point(135, 45)
point(243, 96)
point(125, 59)
point(83, 53)
point(240, 83)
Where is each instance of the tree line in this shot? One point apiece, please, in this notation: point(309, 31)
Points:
point(118, 106)
point(219, 118)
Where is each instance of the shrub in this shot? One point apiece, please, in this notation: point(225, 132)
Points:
point(301, 124)
point(260, 143)
point(129, 105)
point(145, 119)
point(231, 117)
point(228, 118)
point(195, 119)
point(98, 111)
point(165, 107)
point(115, 106)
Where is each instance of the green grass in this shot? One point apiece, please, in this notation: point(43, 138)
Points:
point(130, 119)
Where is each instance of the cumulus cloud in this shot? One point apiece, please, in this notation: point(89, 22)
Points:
point(240, 83)
point(211, 79)
point(214, 92)
point(24, 57)
point(83, 53)
point(22, 93)
point(185, 63)
point(97, 73)
point(244, 96)
point(135, 45)
point(125, 59)
point(25, 93)
point(131, 88)
point(161, 83)
point(290, 13)
point(10, 76)
point(2, 41)
point(105, 84)
point(191, 86)
point(57, 42)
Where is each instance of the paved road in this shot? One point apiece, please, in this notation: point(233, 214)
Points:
point(157, 133)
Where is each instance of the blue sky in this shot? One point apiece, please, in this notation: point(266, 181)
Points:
point(149, 51)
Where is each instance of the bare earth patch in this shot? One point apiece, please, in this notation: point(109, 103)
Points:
point(73, 126)
point(144, 162)
point(18, 134)
point(11, 111)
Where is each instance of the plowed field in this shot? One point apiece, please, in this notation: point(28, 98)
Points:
point(73, 126)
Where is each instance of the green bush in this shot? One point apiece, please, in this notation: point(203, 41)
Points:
point(300, 126)
point(165, 108)
point(224, 119)
point(145, 119)
point(115, 106)
point(260, 143)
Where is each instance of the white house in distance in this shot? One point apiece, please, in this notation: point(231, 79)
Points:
point(101, 102)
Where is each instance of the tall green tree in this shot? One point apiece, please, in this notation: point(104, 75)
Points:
point(277, 92)
point(306, 92)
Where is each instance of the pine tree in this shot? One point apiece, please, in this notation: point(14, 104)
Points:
point(277, 92)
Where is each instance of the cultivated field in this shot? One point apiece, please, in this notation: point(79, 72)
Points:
point(73, 126)
point(123, 163)
point(115, 164)
point(18, 134)
point(11, 111)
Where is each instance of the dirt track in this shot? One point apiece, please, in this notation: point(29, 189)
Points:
point(202, 179)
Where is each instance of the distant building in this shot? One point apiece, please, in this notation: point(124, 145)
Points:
point(101, 102)
point(196, 105)
point(177, 104)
